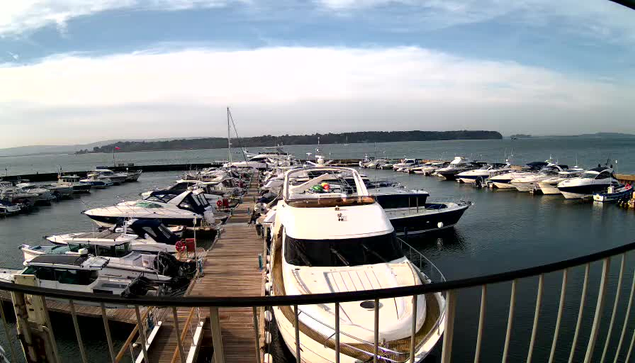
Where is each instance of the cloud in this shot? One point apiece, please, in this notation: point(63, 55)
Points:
point(297, 89)
point(592, 18)
point(20, 16)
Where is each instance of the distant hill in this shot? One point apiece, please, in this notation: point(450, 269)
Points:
point(600, 135)
point(269, 140)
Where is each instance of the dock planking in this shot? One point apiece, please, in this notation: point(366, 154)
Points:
point(230, 268)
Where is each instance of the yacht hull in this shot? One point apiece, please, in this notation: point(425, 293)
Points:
point(110, 221)
point(504, 185)
point(549, 189)
point(427, 220)
point(582, 191)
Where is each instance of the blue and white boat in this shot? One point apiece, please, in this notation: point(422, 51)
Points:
point(613, 194)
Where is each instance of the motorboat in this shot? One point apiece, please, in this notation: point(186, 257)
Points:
point(596, 180)
point(549, 186)
point(133, 175)
point(405, 163)
point(326, 231)
point(430, 167)
point(9, 209)
point(410, 213)
point(96, 182)
point(184, 209)
point(102, 173)
point(14, 195)
point(44, 196)
point(482, 174)
point(78, 273)
point(74, 182)
point(530, 182)
point(504, 180)
point(458, 165)
point(143, 235)
point(613, 194)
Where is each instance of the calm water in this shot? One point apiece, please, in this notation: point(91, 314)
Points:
point(588, 152)
point(502, 231)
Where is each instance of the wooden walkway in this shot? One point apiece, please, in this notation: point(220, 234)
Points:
point(230, 268)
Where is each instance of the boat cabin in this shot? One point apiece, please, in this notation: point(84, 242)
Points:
point(65, 269)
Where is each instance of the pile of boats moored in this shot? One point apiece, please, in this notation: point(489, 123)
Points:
point(22, 196)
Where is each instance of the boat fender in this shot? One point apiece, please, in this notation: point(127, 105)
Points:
point(268, 358)
point(268, 316)
point(267, 337)
point(440, 225)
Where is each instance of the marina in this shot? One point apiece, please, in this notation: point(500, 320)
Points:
point(235, 264)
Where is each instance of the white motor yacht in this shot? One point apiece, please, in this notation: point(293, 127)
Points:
point(405, 163)
point(102, 173)
point(331, 236)
point(79, 273)
point(144, 235)
point(549, 186)
point(483, 173)
point(504, 180)
point(458, 165)
point(180, 210)
point(44, 196)
point(592, 181)
point(530, 183)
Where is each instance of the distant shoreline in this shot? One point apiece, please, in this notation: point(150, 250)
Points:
point(269, 140)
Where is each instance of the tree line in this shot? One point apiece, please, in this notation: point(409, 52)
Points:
point(270, 140)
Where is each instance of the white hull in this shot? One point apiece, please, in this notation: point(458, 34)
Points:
point(500, 185)
point(549, 189)
point(569, 195)
point(523, 187)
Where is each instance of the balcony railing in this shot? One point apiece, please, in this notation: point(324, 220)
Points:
point(599, 348)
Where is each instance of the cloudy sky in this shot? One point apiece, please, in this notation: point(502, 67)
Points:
point(75, 71)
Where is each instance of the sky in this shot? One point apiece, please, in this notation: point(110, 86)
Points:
point(74, 72)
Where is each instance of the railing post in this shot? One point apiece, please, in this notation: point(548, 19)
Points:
point(413, 330)
point(556, 332)
point(481, 324)
point(510, 320)
point(376, 331)
point(296, 313)
point(337, 332)
point(618, 291)
point(217, 338)
point(628, 314)
point(606, 263)
point(142, 334)
point(104, 317)
point(446, 354)
point(585, 284)
point(78, 332)
point(177, 333)
point(257, 331)
point(534, 330)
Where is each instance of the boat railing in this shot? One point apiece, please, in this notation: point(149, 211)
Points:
point(597, 331)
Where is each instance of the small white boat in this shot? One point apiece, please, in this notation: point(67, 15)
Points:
point(9, 209)
point(133, 175)
point(96, 182)
point(549, 186)
point(115, 178)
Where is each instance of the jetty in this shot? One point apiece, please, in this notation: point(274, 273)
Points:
point(230, 268)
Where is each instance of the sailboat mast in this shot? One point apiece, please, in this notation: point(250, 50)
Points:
point(229, 136)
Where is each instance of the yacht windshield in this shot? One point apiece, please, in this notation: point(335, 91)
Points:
point(589, 175)
point(342, 252)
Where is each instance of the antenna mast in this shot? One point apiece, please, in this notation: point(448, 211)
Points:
point(229, 138)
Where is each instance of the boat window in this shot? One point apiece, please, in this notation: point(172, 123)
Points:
point(75, 277)
point(401, 201)
point(146, 204)
point(589, 175)
point(344, 252)
point(186, 204)
point(604, 175)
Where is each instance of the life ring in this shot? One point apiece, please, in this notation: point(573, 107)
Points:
point(219, 203)
point(180, 246)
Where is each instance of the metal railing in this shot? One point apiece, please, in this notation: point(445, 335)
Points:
point(600, 345)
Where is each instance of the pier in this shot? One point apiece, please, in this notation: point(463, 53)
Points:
point(230, 268)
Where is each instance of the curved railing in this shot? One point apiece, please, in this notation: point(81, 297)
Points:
point(449, 288)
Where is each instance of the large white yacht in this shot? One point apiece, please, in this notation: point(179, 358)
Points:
point(504, 181)
point(549, 186)
point(591, 181)
point(331, 236)
point(529, 183)
point(483, 173)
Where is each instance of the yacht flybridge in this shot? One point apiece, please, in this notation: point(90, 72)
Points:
point(327, 229)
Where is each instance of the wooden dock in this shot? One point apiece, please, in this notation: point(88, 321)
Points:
point(231, 268)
